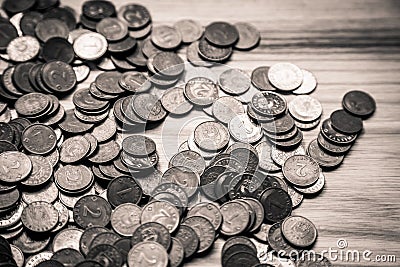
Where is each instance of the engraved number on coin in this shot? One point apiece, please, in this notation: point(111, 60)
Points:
point(142, 256)
point(95, 214)
point(300, 170)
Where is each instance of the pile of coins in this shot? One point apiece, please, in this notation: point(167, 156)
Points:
point(82, 187)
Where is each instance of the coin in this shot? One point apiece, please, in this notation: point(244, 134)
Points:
point(134, 82)
point(168, 64)
point(280, 156)
point(211, 136)
point(268, 103)
point(334, 136)
point(166, 37)
point(112, 28)
point(189, 159)
point(104, 238)
point(309, 83)
point(264, 152)
point(321, 157)
point(92, 210)
point(299, 231)
point(39, 217)
point(301, 170)
point(90, 46)
point(209, 211)
point(135, 15)
point(58, 48)
point(16, 166)
point(48, 193)
point(277, 204)
point(174, 101)
point(221, 34)
point(204, 230)
point(106, 152)
point(148, 253)
point(277, 241)
point(106, 254)
point(315, 188)
point(244, 130)
point(249, 36)
point(279, 126)
point(23, 48)
point(74, 149)
point(305, 108)
point(68, 257)
point(234, 81)
point(345, 122)
point(225, 108)
point(330, 147)
point(285, 76)
point(123, 190)
point(235, 218)
point(138, 145)
point(58, 76)
point(65, 14)
point(148, 107)
point(213, 53)
point(201, 91)
point(9, 32)
point(192, 55)
point(183, 177)
point(295, 196)
point(189, 239)
point(152, 231)
point(161, 212)
point(105, 131)
point(51, 27)
point(73, 178)
point(126, 218)
point(359, 103)
point(307, 126)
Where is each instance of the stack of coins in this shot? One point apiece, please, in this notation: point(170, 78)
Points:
point(82, 186)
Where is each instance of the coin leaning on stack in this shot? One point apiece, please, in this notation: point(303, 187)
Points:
point(81, 187)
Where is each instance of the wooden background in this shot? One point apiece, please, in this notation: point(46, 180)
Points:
point(349, 44)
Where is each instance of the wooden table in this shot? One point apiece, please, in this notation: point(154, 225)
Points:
point(350, 44)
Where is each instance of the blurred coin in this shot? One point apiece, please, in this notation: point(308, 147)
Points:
point(309, 83)
point(359, 103)
point(90, 46)
point(249, 36)
point(150, 251)
point(166, 37)
point(39, 217)
point(305, 108)
point(285, 76)
point(234, 81)
point(221, 34)
point(345, 122)
point(303, 236)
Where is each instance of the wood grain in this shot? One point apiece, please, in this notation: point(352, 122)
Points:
point(351, 44)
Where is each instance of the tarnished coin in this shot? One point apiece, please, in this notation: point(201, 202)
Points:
point(189, 159)
point(58, 76)
point(108, 83)
point(234, 81)
point(189, 239)
point(68, 257)
point(277, 241)
point(176, 253)
point(87, 237)
point(51, 27)
point(58, 48)
point(161, 212)
point(190, 30)
point(209, 211)
point(138, 145)
point(135, 15)
point(345, 122)
point(9, 32)
point(204, 230)
point(249, 36)
point(301, 170)
point(277, 204)
point(105, 130)
point(268, 103)
point(71, 124)
point(299, 231)
point(221, 34)
point(213, 53)
point(148, 107)
point(359, 103)
point(73, 178)
point(31, 244)
point(148, 253)
point(84, 100)
point(23, 48)
point(211, 136)
point(285, 76)
point(295, 196)
point(39, 139)
point(49, 193)
point(235, 218)
point(18, 255)
point(242, 259)
point(201, 91)
point(226, 107)
point(15, 166)
point(91, 211)
point(309, 83)
point(244, 130)
point(324, 159)
point(104, 238)
point(152, 231)
point(279, 126)
point(305, 108)
point(39, 217)
point(330, 147)
point(112, 28)
point(106, 254)
point(123, 190)
point(126, 218)
point(90, 46)
point(74, 149)
point(67, 238)
point(174, 101)
point(166, 37)
point(334, 136)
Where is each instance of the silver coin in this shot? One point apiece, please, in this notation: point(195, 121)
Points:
point(211, 136)
point(309, 83)
point(225, 108)
point(244, 130)
point(305, 108)
point(161, 212)
point(285, 76)
point(280, 156)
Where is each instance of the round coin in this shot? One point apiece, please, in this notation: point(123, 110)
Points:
point(221, 34)
point(188, 238)
point(161, 212)
point(125, 218)
point(152, 231)
point(249, 36)
point(301, 170)
point(201, 91)
point(147, 254)
point(204, 230)
point(285, 76)
point(345, 122)
point(277, 204)
point(359, 103)
point(211, 136)
point(234, 81)
point(39, 217)
point(299, 231)
point(305, 108)
point(15, 166)
point(92, 210)
point(123, 190)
